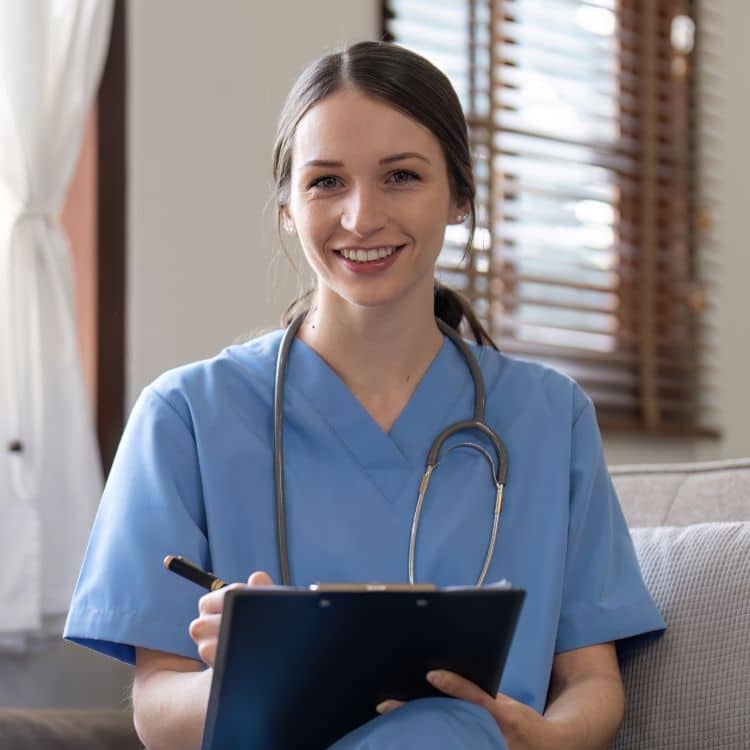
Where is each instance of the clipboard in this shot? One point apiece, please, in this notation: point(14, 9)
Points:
point(297, 669)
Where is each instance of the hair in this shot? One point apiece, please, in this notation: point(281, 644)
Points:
point(413, 85)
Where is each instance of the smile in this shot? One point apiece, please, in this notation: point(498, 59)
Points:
point(362, 255)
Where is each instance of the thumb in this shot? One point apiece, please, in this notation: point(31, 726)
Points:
point(259, 578)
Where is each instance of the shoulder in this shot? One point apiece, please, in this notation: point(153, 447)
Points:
point(531, 388)
point(239, 374)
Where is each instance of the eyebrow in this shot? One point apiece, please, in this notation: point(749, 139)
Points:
point(385, 160)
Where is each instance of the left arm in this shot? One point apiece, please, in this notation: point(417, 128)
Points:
point(584, 712)
point(586, 696)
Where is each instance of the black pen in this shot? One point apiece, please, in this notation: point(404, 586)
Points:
point(192, 572)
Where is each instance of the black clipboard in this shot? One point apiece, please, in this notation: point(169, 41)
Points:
point(297, 669)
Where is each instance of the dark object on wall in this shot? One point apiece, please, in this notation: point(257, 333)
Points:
point(111, 243)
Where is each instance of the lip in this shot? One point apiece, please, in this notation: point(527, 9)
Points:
point(371, 266)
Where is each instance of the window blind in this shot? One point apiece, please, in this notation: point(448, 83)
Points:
point(582, 123)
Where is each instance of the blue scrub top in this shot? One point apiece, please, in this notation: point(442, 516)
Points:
point(194, 476)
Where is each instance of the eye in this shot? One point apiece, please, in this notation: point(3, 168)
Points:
point(402, 177)
point(327, 182)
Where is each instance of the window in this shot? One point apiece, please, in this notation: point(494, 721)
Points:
point(581, 117)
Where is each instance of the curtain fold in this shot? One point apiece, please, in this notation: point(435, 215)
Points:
point(51, 57)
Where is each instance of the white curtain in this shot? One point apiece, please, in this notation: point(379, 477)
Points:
point(51, 56)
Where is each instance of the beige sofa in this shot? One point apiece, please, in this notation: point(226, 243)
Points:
point(688, 690)
point(690, 525)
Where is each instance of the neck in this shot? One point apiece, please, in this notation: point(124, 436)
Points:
point(380, 352)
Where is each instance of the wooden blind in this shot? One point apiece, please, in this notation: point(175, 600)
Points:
point(581, 117)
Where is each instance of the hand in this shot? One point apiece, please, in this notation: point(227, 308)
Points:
point(522, 727)
point(204, 630)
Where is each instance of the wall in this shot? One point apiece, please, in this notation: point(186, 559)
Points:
point(203, 264)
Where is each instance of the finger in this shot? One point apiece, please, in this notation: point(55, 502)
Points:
point(207, 651)
point(386, 706)
point(205, 626)
point(213, 603)
point(456, 686)
point(260, 578)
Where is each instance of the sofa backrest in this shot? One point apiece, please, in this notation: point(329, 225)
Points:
point(684, 494)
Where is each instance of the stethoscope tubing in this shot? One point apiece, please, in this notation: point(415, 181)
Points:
point(499, 471)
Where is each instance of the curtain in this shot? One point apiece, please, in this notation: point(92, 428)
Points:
point(51, 58)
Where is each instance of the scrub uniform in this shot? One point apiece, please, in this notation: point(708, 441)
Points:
point(193, 476)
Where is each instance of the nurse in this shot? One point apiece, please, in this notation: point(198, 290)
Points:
point(371, 164)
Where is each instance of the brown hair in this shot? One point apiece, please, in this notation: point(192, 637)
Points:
point(413, 85)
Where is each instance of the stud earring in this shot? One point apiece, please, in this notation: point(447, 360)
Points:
point(461, 218)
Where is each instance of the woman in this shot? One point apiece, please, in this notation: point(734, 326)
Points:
point(371, 163)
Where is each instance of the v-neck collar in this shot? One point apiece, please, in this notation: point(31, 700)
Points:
point(430, 408)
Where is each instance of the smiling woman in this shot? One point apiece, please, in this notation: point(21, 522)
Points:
point(372, 226)
point(371, 165)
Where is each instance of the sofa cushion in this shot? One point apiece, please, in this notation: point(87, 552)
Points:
point(67, 729)
point(690, 687)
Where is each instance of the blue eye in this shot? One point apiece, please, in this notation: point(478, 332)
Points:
point(403, 176)
point(328, 182)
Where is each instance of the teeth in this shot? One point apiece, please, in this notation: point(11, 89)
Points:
point(363, 256)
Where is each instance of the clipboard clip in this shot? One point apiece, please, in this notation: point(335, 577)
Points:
point(324, 587)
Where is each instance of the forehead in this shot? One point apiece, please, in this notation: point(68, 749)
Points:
point(349, 126)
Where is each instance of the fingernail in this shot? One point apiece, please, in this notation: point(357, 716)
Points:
point(435, 676)
point(383, 706)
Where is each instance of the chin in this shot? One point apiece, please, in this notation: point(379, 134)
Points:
point(377, 298)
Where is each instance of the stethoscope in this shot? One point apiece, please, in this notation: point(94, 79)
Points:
point(499, 471)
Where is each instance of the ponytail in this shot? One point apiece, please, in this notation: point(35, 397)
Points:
point(300, 306)
point(452, 308)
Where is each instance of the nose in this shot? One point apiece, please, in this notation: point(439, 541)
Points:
point(364, 211)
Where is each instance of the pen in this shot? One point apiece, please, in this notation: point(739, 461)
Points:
point(186, 569)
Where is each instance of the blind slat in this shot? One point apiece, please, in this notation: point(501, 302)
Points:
point(586, 195)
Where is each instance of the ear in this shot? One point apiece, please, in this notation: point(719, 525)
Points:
point(460, 211)
point(286, 221)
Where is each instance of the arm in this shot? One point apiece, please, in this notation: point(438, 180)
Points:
point(170, 697)
point(170, 693)
point(586, 696)
point(585, 708)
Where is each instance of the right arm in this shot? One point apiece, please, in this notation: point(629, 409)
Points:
point(170, 693)
point(170, 698)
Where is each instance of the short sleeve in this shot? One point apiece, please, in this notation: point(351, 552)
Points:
point(152, 506)
point(604, 597)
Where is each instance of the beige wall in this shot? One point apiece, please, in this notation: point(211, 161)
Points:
point(204, 95)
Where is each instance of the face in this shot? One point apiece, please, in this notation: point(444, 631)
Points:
point(369, 199)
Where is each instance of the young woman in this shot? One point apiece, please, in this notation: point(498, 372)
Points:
point(371, 163)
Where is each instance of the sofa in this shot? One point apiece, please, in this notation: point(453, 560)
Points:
point(691, 527)
point(689, 689)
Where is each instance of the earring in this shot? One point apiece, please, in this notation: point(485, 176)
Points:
point(288, 225)
point(461, 218)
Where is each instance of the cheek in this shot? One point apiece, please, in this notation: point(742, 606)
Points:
point(312, 220)
point(313, 230)
point(429, 225)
